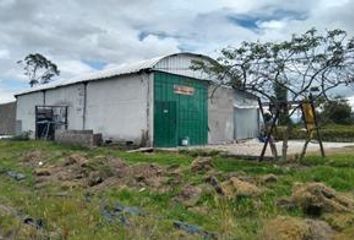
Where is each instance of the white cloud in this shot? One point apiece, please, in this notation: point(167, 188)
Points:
point(71, 32)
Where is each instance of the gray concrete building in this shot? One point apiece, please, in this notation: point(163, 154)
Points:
point(159, 102)
point(8, 118)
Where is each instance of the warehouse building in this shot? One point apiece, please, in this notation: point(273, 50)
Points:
point(159, 102)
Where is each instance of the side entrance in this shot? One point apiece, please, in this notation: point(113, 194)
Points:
point(180, 110)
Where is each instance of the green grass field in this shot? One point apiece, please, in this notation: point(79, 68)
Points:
point(55, 210)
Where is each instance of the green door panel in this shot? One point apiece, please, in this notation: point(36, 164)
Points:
point(191, 110)
point(165, 124)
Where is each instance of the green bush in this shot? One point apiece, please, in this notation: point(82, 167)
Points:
point(330, 133)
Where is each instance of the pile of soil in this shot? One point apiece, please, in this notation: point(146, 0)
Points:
point(235, 187)
point(189, 195)
point(202, 164)
point(79, 171)
point(317, 198)
point(291, 228)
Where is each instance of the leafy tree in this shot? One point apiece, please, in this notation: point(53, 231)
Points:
point(39, 69)
point(337, 111)
point(305, 62)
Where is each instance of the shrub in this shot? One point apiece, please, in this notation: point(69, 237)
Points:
point(330, 133)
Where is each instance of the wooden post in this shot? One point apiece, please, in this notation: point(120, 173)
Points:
point(269, 134)
point(319, 138)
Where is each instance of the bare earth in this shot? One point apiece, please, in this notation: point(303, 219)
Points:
point(254, 147)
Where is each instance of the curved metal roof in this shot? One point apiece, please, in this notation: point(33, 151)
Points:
point(123, 69)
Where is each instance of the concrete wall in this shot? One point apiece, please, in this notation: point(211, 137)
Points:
point(221, 115)
point(71, 96)
point(8, 118)
point(118, 108)
point(25, 111)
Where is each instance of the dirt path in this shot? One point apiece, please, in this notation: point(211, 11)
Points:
point(254, 147)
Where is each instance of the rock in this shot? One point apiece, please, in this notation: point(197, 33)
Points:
point(16, 175)
point(202, 164)
point(215, 184)
point(235, 187)
point(189, 196)
point(269, 178)
point(291, 228)
point(193, 229)
point(39, 172)
point(317, 198)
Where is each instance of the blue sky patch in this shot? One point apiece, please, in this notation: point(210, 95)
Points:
point(96, 64)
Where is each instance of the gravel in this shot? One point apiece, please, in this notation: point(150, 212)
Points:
point(254, 147)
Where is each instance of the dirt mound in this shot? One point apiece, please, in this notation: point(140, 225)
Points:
point(269, 178)
point(291, 228)
point(149, 175)
point(75, 159)
point(202, 164)
point(340, 221)
point(235, 187)
point(189, 195)
point(33, 158)
point(316, 198)
point(79, 171)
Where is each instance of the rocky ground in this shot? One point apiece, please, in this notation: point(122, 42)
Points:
point(51, 191)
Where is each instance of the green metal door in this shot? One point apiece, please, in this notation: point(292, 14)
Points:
point(165, 124)
point(190, 98)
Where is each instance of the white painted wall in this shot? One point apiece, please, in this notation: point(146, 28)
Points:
point(220, 115)
point(73, 97)
point(117, 107)
point(25, 111)
point(181, 64)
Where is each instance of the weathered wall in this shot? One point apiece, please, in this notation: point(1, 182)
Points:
point(78, 137)
point(25, 111)
point(221, 115)
point(118, 108)
point(246, 116)
point(71, 96)
point(8, 118)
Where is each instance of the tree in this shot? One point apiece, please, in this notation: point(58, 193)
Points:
point(337, 111)
point(281, 96)
point(39, 69)
point(305, 62)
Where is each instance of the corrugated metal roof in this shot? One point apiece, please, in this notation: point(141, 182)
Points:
point(103, 74)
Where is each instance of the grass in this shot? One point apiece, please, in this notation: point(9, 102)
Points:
point(72, 216)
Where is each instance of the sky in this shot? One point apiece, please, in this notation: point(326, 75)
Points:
point(88, 35)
